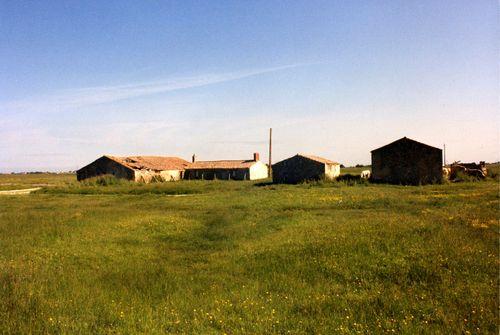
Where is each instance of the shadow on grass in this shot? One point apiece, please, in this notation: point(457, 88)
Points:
point(264, 184)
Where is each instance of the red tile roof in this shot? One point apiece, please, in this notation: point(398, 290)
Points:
point(156, 163)
point(223, 164)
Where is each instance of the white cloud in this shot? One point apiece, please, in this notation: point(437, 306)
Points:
point(83, 97)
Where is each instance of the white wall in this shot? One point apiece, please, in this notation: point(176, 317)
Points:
point(258, 171)
point(332, 171)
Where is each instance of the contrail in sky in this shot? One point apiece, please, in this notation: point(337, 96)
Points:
point(82, 97)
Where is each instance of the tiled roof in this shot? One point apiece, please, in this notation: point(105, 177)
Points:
point(156, 163)
point(224, 164)
point(318, 159)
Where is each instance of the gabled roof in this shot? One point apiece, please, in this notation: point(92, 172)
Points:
point(318, 159)
point(408, 140)
point(313, 158)
point(223, 164)
point(156, 163)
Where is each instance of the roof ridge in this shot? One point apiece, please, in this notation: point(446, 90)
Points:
point(155, 156)
point(225, 160)
point(317, 158)
point(408, 139)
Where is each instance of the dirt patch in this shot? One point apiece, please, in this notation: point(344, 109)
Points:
point(20, 192)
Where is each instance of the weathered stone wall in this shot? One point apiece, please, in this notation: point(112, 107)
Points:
point(146, 176)
point(105, 166)
point(407, 163)
point(298, 169)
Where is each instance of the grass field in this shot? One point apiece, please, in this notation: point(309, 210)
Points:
point(18, 181)
point(354, 170)
point(245, 258)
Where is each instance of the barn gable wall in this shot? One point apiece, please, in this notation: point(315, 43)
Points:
point(407, 162)
point(259, 170)
point(332, 171)
point(297, 169)
point(105, 166)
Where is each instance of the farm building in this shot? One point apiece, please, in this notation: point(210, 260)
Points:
point(136, 168)
point(406, 161)
point(301, 168)
point(251, 169)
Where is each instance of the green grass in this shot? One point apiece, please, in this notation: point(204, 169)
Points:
point(354, 170)
point(494, 171)
point(20, 181)
point(243, 258)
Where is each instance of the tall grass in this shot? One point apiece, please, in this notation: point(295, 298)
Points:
point(106, 180)
point(238, 258)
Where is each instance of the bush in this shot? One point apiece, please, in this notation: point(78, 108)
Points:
point(350, 180)
point(461, 176)
point(157, 179)
point(104, 180)
point(494, 174)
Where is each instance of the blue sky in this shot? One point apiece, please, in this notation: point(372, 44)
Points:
point(333, 78)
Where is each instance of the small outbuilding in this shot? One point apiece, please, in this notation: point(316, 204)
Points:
point(300, 168)
point(136, 168)
point(407, 162)
point(249, 169)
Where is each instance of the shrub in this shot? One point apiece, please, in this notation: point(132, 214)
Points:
point(462, 176)
point(351, 180)
point(104, 180)
point(157, 179)
point(494, 174)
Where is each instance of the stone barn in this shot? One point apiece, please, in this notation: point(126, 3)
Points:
point(300, 168)
point(407, 162)
point(250, 169)
point(136, 168)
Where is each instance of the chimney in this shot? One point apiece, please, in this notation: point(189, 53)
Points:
point(193, 159)
point(255, 156)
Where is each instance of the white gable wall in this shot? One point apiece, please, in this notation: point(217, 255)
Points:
point(258, 171)
point(332, 171)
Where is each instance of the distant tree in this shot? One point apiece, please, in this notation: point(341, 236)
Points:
point(342, 166)
point(360, 165)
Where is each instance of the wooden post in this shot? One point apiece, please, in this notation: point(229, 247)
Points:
point(444, 154)
point(270, 152)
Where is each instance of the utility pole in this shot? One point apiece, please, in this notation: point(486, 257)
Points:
point(444, 154)
point(270, 150)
